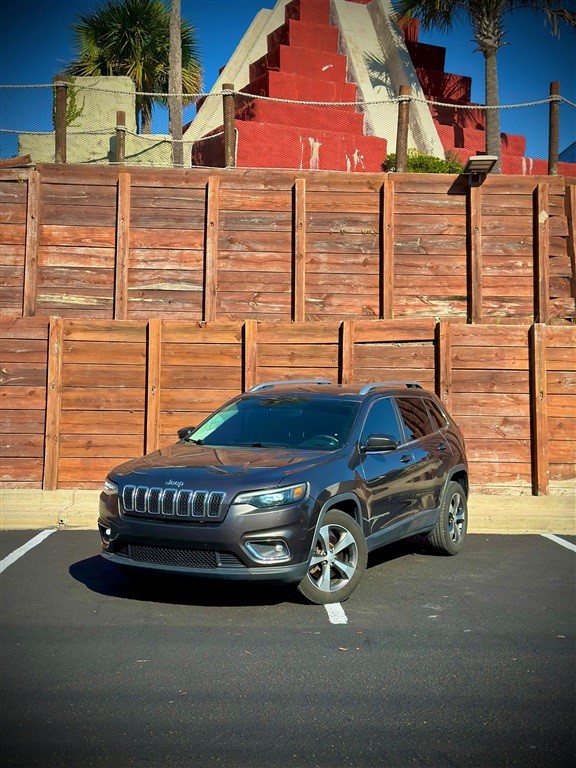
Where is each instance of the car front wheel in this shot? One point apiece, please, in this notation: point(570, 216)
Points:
point(449, 533)
point(338, 560)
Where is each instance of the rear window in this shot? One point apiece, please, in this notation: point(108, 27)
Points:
point(415, 417)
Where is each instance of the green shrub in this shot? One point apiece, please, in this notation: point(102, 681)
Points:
point(419, 163)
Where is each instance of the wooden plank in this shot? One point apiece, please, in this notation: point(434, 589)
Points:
point(249, 353)
point(102, 423)
point(95, 352)
point(28, 398)
point(90, 374)
point(99, 237)
point(53, 404)
point(444, 386)
point(541, 254)
point(22, 422)
point(103, 398)
point(300, 249)
point(32, 243)
point(122, 248)
point(97, 446)
point(202, 333)
point(474, 223)
point(490, 404)
point(570, 204)
point(153, 384)
point(286, 355)
point(188, 377)
point(298, 333)
point(24, 328)
point(494, 427)
point(21, 447)
point(209, 355)
point(211, 254)
point(386, 310)
point(394, 330)
point(511, 358)
point(347, 339)
point(129, 331)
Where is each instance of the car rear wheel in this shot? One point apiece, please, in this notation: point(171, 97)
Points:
point(449, 533)
point(338, 560)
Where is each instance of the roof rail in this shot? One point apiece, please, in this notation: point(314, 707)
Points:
point(386, 384)
point(269, 384)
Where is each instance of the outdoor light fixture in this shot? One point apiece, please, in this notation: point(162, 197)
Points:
point(478, 166)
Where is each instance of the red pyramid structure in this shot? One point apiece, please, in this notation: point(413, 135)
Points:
point(303, 64)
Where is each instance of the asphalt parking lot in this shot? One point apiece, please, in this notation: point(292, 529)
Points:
point(443, 662)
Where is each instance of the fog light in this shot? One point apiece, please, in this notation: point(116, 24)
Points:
point(105, 534)
point(271, 551)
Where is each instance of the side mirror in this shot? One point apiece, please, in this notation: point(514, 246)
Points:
point(184, 432)
point(379, 443)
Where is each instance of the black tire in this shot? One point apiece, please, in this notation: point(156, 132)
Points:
point(449, 533)
point(338, 560)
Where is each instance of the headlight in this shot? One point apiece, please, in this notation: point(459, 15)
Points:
point(109, 488)
point(274, 498)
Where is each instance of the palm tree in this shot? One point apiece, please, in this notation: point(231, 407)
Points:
point(132, 38)
point(487, 18)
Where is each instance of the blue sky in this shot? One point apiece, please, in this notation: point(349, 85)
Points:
point(36, 43)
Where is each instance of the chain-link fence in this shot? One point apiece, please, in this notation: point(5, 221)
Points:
point(98, 124)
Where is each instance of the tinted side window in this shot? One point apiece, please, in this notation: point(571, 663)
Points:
point(382, 420)
point(438, 418)
point(414, 416)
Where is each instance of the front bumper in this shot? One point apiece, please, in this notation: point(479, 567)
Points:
point(210, 550)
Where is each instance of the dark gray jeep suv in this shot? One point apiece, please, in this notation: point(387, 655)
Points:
point(293, 482)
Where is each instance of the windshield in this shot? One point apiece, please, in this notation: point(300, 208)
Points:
point(292, 421)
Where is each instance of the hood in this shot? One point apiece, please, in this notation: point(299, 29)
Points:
point(186, 465)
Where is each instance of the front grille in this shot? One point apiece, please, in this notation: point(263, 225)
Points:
point(180, 556)
point(169, 503)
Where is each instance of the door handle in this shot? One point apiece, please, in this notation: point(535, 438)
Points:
point(407, 458)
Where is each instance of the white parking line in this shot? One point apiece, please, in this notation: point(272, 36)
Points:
point(558, 540)
point(13, 556)
point(336, 613)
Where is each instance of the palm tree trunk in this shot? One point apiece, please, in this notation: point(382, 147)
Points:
point(175, 84)
point(493, 141)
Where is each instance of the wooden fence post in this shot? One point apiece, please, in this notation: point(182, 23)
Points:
point(387, 251)
point(31, 247)
point(347, 352)
point(120, 146)
point(53, 404)
point(541, 254)
point(299, 257)
point(122, 248)
point(153, 384)
point(211, 248)
point(474, 248)
point(402, 130)
point(570, 206)
point(228, 108)
point(60, 115)
point(539, 411)
point(249, 354)
point(443, 333)
point(554, 128)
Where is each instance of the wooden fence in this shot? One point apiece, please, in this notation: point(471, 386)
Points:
point(188, 245)
point(79, 396)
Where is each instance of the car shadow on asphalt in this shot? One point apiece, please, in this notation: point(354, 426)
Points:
point(175, 589)
point(178, 589)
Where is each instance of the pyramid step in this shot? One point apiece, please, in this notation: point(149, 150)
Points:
point(304, 115)
point(316, 11)
point(427, 56)
point(474, 139)
point(444, 86)
point(302, 34)
point(285, 85)
point(466, 118)
point(301, 61)
point(259, 146)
